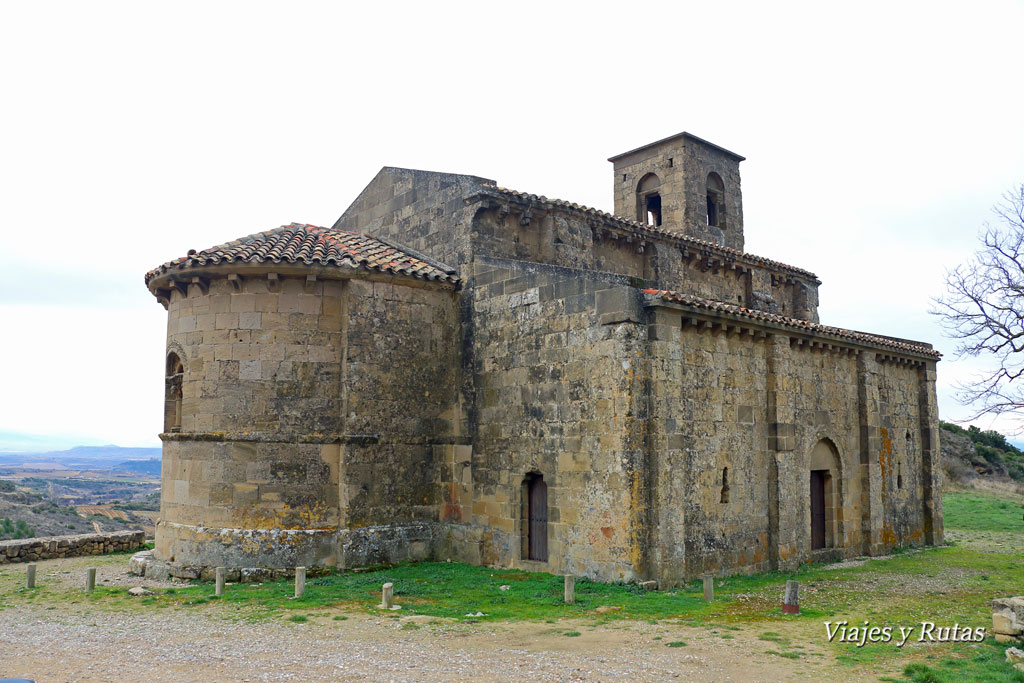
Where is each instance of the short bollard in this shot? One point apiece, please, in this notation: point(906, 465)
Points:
point(570, 589)
point(387, 599)
point(709, 588)
point(30, 578)
point(220, 581)
point(90, 579)
point(791, 601)
point(300, 581)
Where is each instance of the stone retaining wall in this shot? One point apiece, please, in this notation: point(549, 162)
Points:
point(32, 549)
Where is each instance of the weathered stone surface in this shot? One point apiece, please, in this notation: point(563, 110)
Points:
point(32, 549)
point(791, 598)
point(321, 416)
point(1008, 618)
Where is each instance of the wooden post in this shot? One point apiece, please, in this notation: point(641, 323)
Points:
point(90, 579)
point(300, 581)
point(709, 588)
point(30, 578)
point(220, 581)
point(387, 599)
point(791, 601)
point(570, 589)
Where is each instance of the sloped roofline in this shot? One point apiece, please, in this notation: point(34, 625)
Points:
point(678, 136)
point(312, 246)
point(657, 297)
point(647, 231)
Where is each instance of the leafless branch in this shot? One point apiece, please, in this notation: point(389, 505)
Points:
point(983, 308)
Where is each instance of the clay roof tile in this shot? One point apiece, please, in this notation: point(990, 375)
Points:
point(786, 321)
point(313, 245)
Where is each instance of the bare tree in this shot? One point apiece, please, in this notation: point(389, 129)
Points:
point(984, 309)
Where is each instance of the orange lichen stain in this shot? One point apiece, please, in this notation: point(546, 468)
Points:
point(885, 459)
point(638, 508)
point(888, 536)
point(607, 531)
point(450, 510)
point(285, 517)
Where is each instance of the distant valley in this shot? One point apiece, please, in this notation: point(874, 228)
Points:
point(79, 490)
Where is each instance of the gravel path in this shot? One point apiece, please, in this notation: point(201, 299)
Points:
point(56, 641)
point(58, 645)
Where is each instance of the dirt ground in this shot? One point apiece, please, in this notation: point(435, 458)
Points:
point(62, 641)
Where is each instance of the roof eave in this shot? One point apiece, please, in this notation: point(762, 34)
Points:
point(678, 136)
point(168, 278)
point(925, 352)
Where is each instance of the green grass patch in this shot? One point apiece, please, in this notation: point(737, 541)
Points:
point(973, 511)
point(987, 662)
point(945, 585)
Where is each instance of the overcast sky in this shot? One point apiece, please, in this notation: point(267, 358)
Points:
point(877, 137)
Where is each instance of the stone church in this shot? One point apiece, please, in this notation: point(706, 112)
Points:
point(458, 370)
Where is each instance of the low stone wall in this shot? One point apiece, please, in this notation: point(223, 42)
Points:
point(32, 549)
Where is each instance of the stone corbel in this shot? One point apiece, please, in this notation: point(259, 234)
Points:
point(310, 284)
point(236, 281)
point(202, 283)
point(273, 282)
point(526, 216)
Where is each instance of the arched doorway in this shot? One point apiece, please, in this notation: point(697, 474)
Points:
point(824, 483)
point(535, 518)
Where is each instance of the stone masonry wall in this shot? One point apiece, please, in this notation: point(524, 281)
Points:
point(402, 377)
point(563, 239)
point(52, 547)
point(310, 408)
point(557, 365)
point(260, 393)
point(707, 398)
point(726, 395)
point(422, 210)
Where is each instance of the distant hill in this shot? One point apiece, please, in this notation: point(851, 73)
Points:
point(87, 457)
point(151, 466)
point(971, 453)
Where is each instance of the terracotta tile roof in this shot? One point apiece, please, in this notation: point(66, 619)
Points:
point(647, 230)
point(312, 245)
point(807, 326)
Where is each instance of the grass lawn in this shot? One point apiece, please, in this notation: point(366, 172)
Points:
point(947, 586)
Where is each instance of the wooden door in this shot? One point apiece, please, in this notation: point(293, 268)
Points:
point(818, 509)
point(538, 520)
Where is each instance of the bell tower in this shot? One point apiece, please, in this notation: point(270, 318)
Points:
point(682, 184)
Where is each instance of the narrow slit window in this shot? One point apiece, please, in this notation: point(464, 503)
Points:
point(653, 209)
point(725, 485)
point(172, 393)
point(715, 201)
